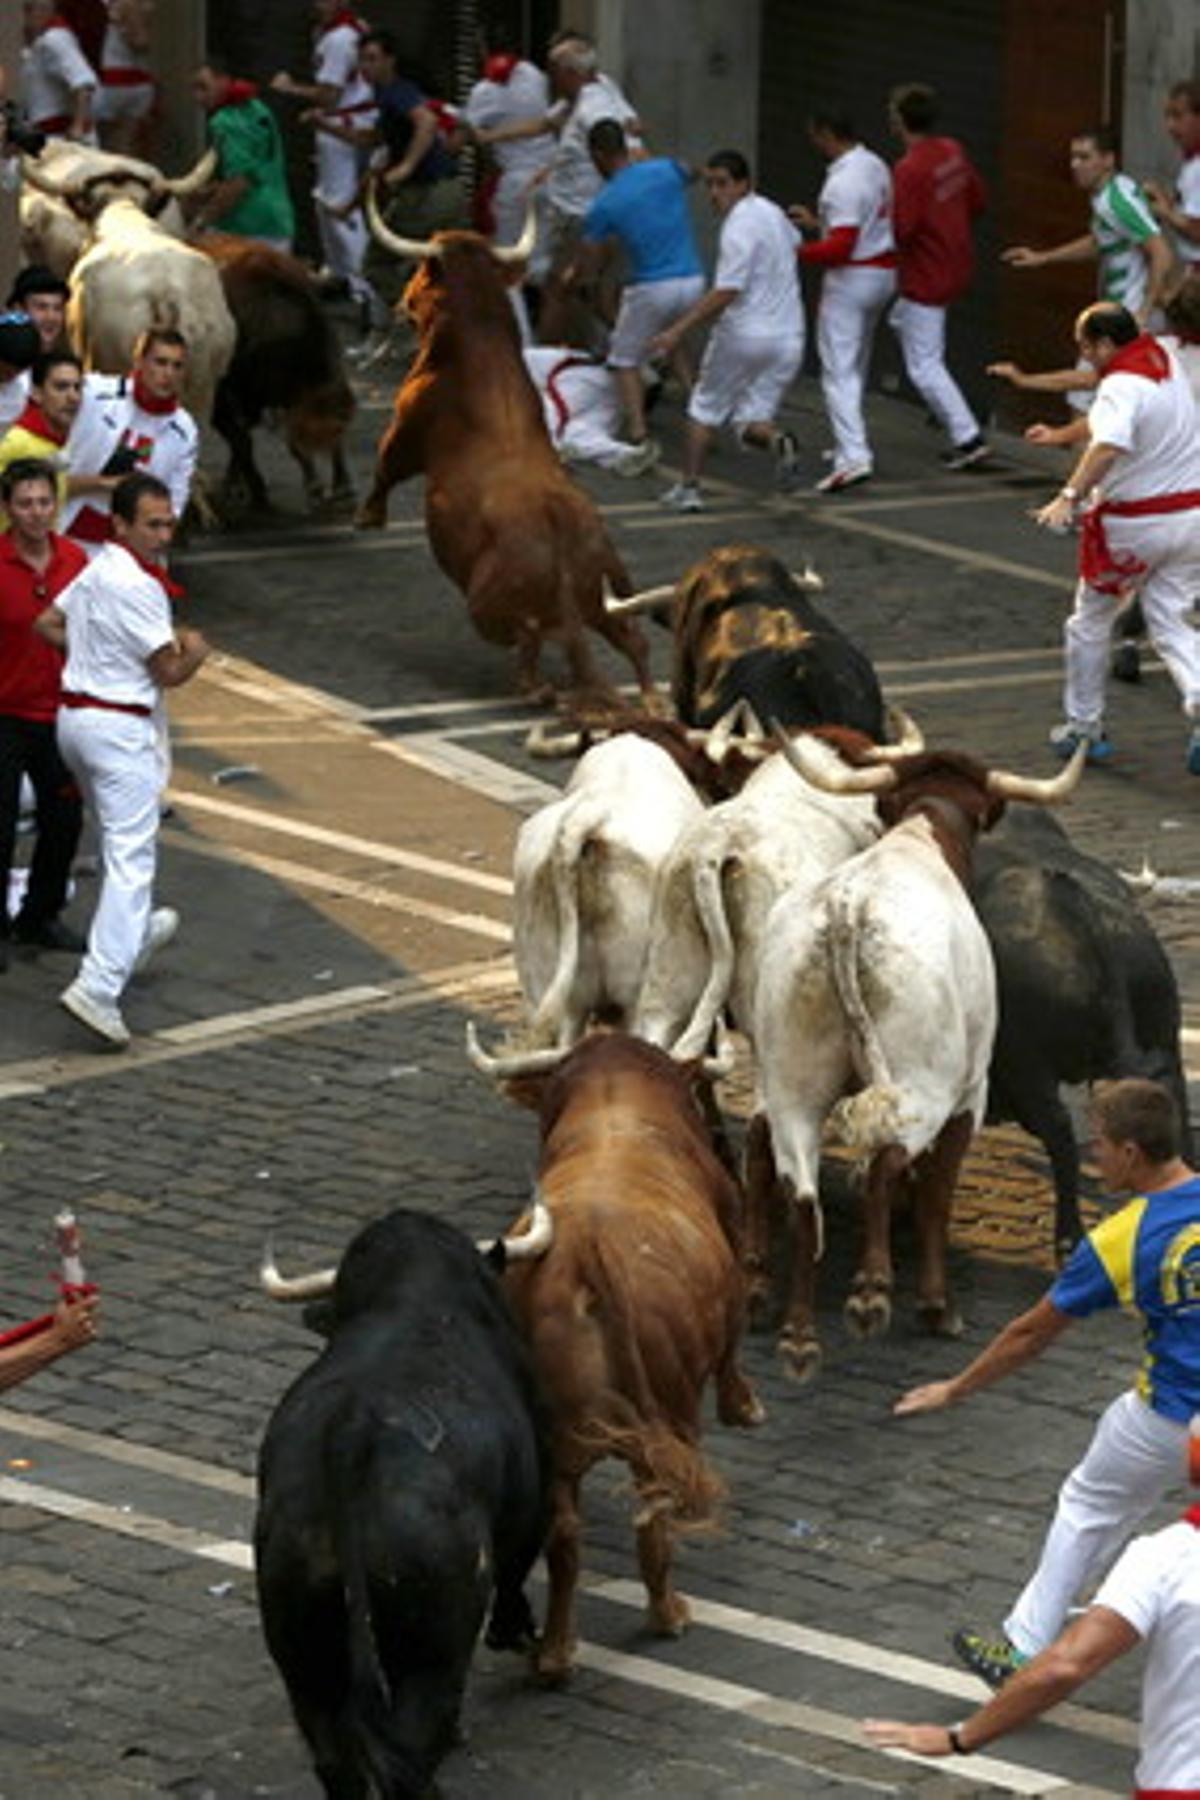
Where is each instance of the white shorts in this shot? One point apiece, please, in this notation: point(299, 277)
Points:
point(743, 379)
point(648, 307)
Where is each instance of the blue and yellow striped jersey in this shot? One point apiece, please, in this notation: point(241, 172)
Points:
point(1147, 1256)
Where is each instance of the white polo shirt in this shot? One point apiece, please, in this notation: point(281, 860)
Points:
point(525, 95)
point(574, 180)
point(165, 444)
point(1155, 1587)
point(857, 191)
point(53, 67)
point(757, 256)
point(117, 616)
point(1154, 424)
point(335, 65)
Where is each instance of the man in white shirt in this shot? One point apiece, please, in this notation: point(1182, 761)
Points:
point(125, 100)
point(123, 650)
point(126, 424)
point(58, 82)
point(757, 342)
point(511, 91)
point(1151, 1596)
point(339, 92)
point(1138, 483)
point(856, 248)
point(1179, 212)
point(581, 401)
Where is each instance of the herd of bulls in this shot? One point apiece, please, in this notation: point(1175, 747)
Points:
point(897, 982)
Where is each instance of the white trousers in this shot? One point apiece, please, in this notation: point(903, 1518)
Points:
point(117, 760)
point(1134, 1456)
point(343, 241)
point(922, 333)
point(852, 300)
point(590, 434)
point(1169, 544)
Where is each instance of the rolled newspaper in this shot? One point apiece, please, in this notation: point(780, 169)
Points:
point(70, 1244)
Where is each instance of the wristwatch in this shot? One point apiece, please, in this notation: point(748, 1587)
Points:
point(1068, 493)
point(953, 1732)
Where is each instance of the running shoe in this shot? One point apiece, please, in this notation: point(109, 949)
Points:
point(1066, 739)
point(786, 449)
point(850, 476)
point(684, 497)
point(967, 456)
point(162, 926)
point(100, 1016)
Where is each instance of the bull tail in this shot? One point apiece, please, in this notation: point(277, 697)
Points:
point(550, 1015)
point(671, 1475)
point(868, 1120)
point(708, 891)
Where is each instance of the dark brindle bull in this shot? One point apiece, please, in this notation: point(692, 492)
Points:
point(505, 522)
point(637, 1304)
point(403, 1486)
point(746, 630)
point(1086, 990)
point(287, 359)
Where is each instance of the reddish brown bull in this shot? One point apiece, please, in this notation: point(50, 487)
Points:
point(636, 1304)
point(505, 522)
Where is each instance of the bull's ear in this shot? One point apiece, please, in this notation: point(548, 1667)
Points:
point(525, 1090)
point(318, 1316)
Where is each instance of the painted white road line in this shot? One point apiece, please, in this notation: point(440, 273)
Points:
point(124, 1450)
point(723, 1696)
point(794, 1715)
point(463, 981)
point(188, 800)
point(869, 1659)
point(127, 1522)
point(345, 887)
point(957, 553)
point(437, 755)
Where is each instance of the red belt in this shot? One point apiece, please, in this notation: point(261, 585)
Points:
point(1166, 1793)
point(887, 259)
point(562, 411)
point(1116, 571)
point(58, 122)
point(126, 77)
point(74, 701)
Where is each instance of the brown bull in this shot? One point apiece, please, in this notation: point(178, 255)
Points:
point(505, 522)
point(637, 1303)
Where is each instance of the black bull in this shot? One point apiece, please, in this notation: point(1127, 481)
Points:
point(403, 1484)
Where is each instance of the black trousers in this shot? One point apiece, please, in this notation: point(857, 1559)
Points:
point(27, 746)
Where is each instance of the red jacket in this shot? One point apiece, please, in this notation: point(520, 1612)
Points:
point(30, 667)
point(937, 195)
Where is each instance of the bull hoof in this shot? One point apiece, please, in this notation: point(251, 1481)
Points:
point(669, 1618)
point(553, 1668)
point(741, 1406)
point(868, 1311)
point(940, 1320)
point(370, 518)
point(800, 1355)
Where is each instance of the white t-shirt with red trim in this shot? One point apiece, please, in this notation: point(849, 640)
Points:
point(52, 69)
point(117, 616)
point(165, 444)
point(857, 191)
point(1155, 1587)
point(1154, 425)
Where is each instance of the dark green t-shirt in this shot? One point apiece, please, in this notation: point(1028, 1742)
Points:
point(246, 139)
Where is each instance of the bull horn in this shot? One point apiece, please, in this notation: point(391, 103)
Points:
point(909, 739)
point(740, 716)
point(522, 250)
point(541, 741)
point(808, 578)
point(718, 1066)
point(195, 179)
point(1050, 792)
point(645, 601)
point(533, 1242)
point(505, 1068)
point(58, 190)
point(301, 1287)
point(839, 778)
point(412, 248)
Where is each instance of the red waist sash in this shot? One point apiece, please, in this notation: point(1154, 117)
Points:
point(75, 701)
point(1112, 571)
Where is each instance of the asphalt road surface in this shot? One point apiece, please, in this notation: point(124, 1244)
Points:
point(349, 775)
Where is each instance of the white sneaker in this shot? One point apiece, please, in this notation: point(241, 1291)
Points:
point(850, 476)
point(685, 496)
point(164, 923)
point(100, 1016)
point(637, 459)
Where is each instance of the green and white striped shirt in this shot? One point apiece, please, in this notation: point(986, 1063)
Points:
point(1121, 223)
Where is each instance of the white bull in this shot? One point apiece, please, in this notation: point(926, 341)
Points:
point(69, 184)
point(585, 875)
point(136, 275)
point(877, 997)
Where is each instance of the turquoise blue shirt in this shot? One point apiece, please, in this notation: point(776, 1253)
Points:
point(1147, 1256)
point(645, 206)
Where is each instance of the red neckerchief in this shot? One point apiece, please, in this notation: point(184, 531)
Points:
point(1145, 356)
point(34, 420)
point(237, 93)
point(55, 22)
point(170, 587)
point(150, 403)
point(343, 16)
point(499, 66)
point(1192, 1515)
